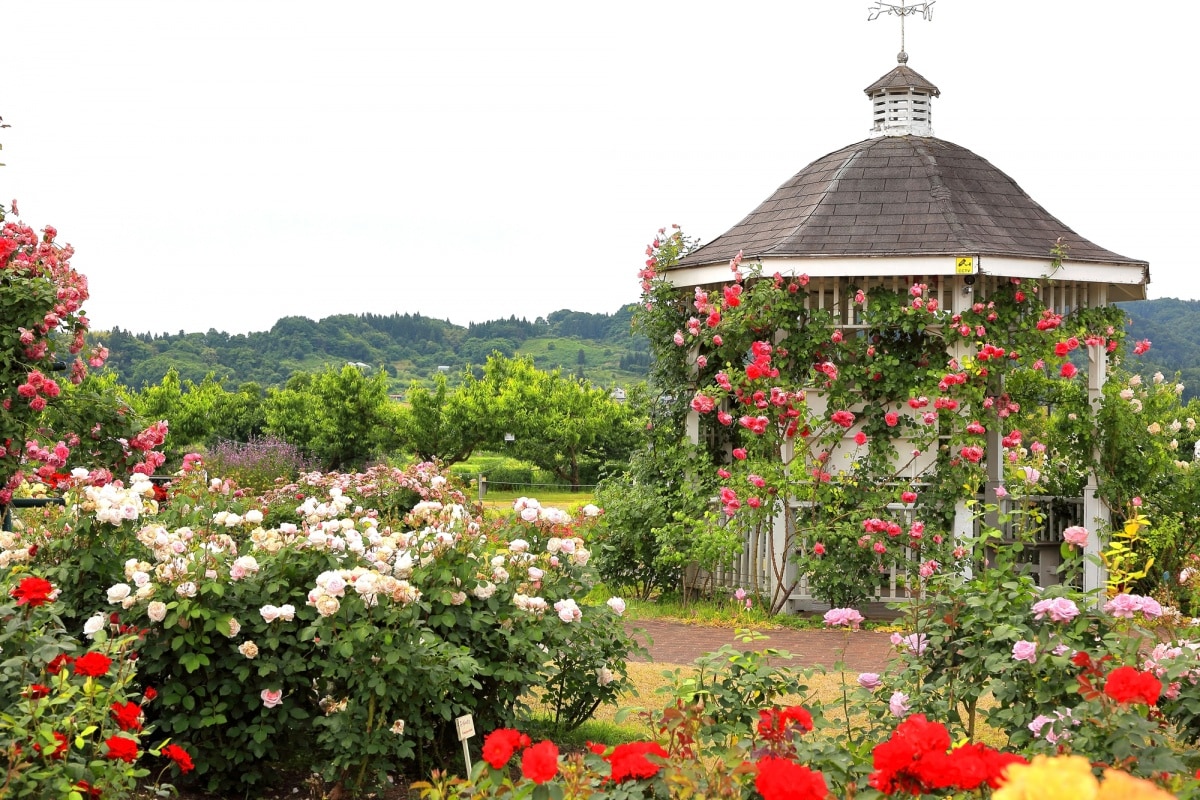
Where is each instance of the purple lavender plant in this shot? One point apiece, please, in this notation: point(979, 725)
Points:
point(259, 463)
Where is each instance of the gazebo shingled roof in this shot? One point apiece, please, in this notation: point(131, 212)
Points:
point(899, 195)
point(905, 194)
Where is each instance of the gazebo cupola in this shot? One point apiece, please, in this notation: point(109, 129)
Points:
point(901, 102)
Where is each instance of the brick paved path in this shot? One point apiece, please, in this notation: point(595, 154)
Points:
point(681, 643)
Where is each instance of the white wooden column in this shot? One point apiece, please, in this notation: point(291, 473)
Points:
point(1095, 513)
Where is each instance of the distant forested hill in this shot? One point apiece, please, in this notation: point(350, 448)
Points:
point(599, 347)
point(1173, 327)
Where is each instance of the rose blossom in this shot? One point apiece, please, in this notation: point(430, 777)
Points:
point(1025, 651)
point(94, 625)
point(898, 705)
point(248, 649)
point(157, 611)
point(568, 610)
point(1076, 535)
point(271, 697)
point(870, 680)
point(1060, 609)
point(849, 617)
point(617, 605)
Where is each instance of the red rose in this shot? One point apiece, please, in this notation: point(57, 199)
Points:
point(7, 248)
point(539, 763)
point(1128, 685)
point(60, 749)
point(58, 663)
point(150, 693)
point(37, 691)
point(629, 760)
point(128, 716)
point(33, 591)
point(781, 779)
point(179, 756)
point(121, 748)
point(500, 744)
point(92, 665)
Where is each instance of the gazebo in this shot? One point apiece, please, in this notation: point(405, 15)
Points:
point(902, 207)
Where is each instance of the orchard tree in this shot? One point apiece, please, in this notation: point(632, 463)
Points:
point(445, 424)
point(202, 414)
point(560, 424)
point(344, 418)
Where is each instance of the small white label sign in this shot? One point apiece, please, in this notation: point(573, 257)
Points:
point(466, 727)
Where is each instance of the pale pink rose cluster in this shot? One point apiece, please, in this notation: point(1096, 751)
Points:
point(1127, 605)
point(285, 612)
point(568, 610)
point(368, 584)
point(914, 643)
point(1164, 656)
point(242, 567)
point(117, 504)
point(848, 617)
point(1053, 729)
point(534, 605)
point(1059, 609)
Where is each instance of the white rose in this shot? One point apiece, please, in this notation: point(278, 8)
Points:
point(617, 605)
point(254, 516)
point(157, 611)
point(119, 592)
point(94, 625)
point(287, 612)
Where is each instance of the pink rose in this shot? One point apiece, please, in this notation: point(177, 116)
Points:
point(870, 680)
point(1076, 535)
point(271, 697)
point(1060, 609)
point(1025, 651)
point(849, 617)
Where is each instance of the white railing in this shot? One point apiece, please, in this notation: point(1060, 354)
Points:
point(752, 568)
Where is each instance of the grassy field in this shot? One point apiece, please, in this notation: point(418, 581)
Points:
point(567, 501)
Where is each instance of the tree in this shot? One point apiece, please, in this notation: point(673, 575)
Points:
point(343, 417)
point(560, 424)
point(447, 425)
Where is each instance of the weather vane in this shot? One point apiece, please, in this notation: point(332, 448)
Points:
point(880, 8)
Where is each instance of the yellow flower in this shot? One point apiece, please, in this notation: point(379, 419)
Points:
point(1060, 778)
point(1122, 786)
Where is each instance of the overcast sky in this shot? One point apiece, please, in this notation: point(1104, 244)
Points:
point(222, 164)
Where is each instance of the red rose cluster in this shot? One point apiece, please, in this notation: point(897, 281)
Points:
point(776, 726)
point(539, 762)
point(33, 591)
point(783, 779)
point(918, 759)
point(629, 762)
point(1128, 685)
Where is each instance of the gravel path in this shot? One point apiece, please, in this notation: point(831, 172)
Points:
point(681, 643)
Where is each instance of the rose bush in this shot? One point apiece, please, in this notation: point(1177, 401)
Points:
point(309, 620)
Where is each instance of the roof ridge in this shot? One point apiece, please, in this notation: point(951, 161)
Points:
point(943, 195)
point(830, 187)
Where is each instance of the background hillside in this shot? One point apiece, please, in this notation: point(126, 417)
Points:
point(599, 347)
